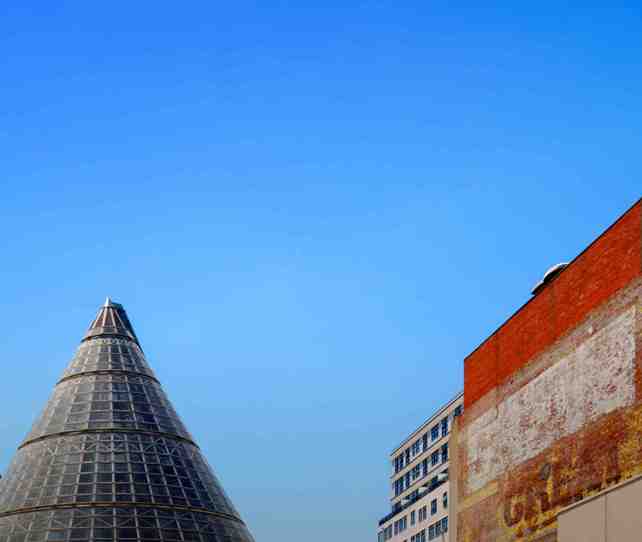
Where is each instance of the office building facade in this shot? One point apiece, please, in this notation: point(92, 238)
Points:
point(419, 481)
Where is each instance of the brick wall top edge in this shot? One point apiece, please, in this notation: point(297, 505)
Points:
point(562, 304)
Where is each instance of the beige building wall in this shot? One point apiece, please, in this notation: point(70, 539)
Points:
point(420, 494)
point(611, 516)
point(453, 473)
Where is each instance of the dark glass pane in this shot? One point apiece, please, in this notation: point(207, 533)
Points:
point(77, 453)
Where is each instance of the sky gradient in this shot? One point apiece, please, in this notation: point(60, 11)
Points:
point(312, 213)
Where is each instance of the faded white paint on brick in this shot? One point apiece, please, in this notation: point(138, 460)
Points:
point(592, 380)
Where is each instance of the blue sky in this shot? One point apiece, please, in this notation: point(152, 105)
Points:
point(312, 213)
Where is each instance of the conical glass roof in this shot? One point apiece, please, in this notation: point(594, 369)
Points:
point(110, 460)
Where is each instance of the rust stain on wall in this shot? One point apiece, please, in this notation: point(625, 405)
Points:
point(525, 507)
point(571, 451)
point(558, 402)
point(572, 470)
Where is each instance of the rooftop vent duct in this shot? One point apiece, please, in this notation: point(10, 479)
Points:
point(548, 277)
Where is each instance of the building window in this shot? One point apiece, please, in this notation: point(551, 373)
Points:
point(401, 525)
point(445, 499)
point(424, 467)
point(433, 507)
point(434, 458)
point(444, 525)
point(398, 463)
point(398, 486)
point(416, 448)
point(444, 453)
point(438, 528)
point(412, 518)
point(407, 455)
point(431, 532)
point(444, 427)
point(424, 440)
point(458, 410)
point(434, 433)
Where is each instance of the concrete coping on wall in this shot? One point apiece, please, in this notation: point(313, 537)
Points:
point(600, 494)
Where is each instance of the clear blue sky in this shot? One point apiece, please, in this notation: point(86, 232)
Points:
point(311, 212)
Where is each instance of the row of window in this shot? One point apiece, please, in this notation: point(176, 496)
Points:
point(423, 511)
point(422, 444)
point(110, 467)
point(108, 354)
point(108, 401)
point(108, 524)
point(436, 529)
point(420, 470)
point(401, 524)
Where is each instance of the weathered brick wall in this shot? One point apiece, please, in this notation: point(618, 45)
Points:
point(554, 397)
point(609, 264)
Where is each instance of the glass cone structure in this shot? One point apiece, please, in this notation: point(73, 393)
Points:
point(109, 459)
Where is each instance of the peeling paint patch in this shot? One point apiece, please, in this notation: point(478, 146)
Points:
point(594, 379)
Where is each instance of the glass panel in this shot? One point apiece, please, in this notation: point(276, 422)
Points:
point(105, 524)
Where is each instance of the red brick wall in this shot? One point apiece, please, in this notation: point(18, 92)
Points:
point(606, 266)
point(554, 397)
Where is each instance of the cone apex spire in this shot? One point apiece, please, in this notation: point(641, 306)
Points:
point(111, 321)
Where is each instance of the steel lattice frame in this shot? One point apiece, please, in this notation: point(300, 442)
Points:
point(109, 459)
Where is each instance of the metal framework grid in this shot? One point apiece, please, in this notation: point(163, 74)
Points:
point(109, 459)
